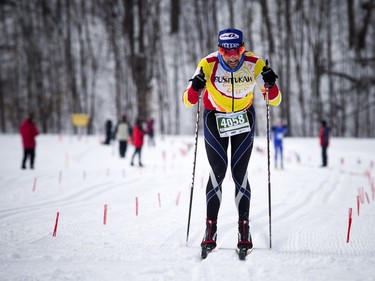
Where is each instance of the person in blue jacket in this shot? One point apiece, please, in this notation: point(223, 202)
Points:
point(279, 131)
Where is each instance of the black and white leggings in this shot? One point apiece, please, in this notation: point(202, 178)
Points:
point(216, 149)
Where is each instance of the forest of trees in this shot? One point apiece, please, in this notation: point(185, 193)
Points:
point(106, 58)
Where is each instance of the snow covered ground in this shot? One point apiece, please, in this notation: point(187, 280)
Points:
point(78, 177)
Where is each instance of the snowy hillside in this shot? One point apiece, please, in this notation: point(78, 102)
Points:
point(83, 181)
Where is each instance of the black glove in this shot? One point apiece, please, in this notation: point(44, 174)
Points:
point(198, 82)
point(269, 76)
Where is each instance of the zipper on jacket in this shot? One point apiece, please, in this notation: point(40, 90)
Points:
point(232, 92)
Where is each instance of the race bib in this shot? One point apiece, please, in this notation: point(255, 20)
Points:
point(230, 124)
point(279, 136)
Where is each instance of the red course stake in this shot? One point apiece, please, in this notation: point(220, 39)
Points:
point(178, 198)
point(361, 193)
point(349, 225)
point(105, 214)
point(34, 185)
point(56, 223)
point(358, 204)
point(368, 199)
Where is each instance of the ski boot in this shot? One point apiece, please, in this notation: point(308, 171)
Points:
point(209, 239)
point(245, 244)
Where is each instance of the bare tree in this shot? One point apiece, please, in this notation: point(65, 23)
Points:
point(267, 21)
point(54, 54)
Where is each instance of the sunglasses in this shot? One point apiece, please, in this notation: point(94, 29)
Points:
point(227, 53)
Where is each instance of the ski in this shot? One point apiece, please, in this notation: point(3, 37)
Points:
point(206, 250)
point(243, 252)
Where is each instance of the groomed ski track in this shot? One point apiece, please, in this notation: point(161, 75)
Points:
point(77, 177)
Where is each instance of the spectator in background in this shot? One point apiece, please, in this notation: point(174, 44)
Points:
point(123, 133)
point(279, 131)
point(108, 132)
point(150, 131)
point(28, 132)
point(324, 141)
point(138, 135)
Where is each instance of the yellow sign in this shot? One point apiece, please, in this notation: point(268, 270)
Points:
point(80, 119)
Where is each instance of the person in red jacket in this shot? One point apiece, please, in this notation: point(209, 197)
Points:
point(138, 134)
point(28, 132)
point(324, 141)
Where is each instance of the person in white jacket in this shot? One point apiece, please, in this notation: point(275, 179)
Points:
point(123, 132)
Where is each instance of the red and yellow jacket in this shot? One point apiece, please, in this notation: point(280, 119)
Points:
point(230, 90)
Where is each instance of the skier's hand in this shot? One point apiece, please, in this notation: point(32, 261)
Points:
point(198, 82)
point(269, 76)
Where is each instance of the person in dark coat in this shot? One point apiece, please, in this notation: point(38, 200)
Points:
point(108, 132)
point(138, 136)
point(28, 131)
point(324, 141)
point(150, 131)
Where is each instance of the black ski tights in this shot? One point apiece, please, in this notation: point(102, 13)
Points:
point(216, 149)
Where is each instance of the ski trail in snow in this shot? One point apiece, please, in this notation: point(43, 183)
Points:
point(309, 215)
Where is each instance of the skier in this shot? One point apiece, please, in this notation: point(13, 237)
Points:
point(227, 79)
point(324, 141)
point(122, 133)
point(28, 132)
point(279, 131)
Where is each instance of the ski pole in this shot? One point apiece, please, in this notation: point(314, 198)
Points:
point(268, 162)
point(194, 162)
